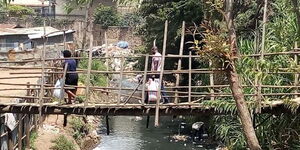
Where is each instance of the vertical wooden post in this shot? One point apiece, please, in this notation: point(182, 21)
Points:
point(179, 61)
point(64, 36)
point(156, 122)
point(107, 125)
point(121, 78)
point(43, 74)
point(88, 78)
point(10, 143)
point(28, 89)
point(259, 89)
point(296, 76)
point(211, 81)
point(190, 77)
point(20, 131)
point(106, 62)
point(1, 129)
point(145, 78)
point(62, 90)
point(27, 130)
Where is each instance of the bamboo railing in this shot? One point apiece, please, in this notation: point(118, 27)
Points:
point(189, 92)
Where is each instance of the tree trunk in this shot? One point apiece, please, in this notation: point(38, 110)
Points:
point(235, 87)
point(297, 12)
point(242, 108)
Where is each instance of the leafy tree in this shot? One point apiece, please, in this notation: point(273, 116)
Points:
point(106, 16)
point(19, 11)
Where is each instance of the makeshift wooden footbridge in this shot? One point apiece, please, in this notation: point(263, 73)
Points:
point(185, 99)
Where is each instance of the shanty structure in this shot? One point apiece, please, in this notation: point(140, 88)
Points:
point(28, 38)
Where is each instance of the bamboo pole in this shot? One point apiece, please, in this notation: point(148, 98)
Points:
point(21, 77)
point(259, 96)
point(140, 55)
point(1, 128)
point(88, 78)
point(27, 130)
point(20, 131)
point(145, 78)
point(62, 89)
point(190, 76)
point(156, 123)
point(106, 61)
point(64, 36)
point(180, 59)
point(121, 78)
point(296, 76)
point(211, 81)
point(10, 142)
point(42, 92)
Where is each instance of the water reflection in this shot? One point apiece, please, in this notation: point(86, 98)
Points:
point(130, 133)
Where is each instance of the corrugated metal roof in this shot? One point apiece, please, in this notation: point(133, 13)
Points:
point(33, 33)
point(10, 26)
point(26, 31)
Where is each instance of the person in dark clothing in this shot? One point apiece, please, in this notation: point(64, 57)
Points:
point(71, 78)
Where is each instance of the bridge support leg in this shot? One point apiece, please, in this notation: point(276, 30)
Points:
point(10, 143)
point(147, 124)
point(65, 120)
point(107, 125)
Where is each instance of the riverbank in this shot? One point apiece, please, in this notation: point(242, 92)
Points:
point(53, 128)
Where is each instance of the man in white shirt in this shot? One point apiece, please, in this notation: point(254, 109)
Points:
point(156, 59)
point(156, 66)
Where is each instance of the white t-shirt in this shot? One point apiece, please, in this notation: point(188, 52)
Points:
point(156, 62)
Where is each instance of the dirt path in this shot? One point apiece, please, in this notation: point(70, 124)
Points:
point(6, 73)
point(52, 129)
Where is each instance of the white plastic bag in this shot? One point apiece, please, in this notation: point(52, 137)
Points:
point(57, 91)
point(153, 87)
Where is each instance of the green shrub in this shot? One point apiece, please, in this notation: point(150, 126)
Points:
point(106, 16)
point(131, 20)
point(19, 11)
point(62, 143)
point(96, 79)
point(33, 137)
point(78, 126)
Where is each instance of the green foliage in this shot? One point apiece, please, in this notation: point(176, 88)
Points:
point(133, 20)
point(33, 137)
point(279, 131)
point(72, 5)
point(106, 16)
point(62, 143)
point(19, 11)
point(155, 14)
point(227, 129)
point(96, 79)
point(79, 128)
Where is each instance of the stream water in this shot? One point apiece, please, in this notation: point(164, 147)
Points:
point(130, 133)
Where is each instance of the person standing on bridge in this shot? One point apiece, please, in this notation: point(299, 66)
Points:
point(71, 78)
point(156, 66)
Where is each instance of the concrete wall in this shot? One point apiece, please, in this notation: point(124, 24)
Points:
point(114, 34)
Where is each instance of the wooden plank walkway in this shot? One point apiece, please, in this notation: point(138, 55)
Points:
point(128, 109)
